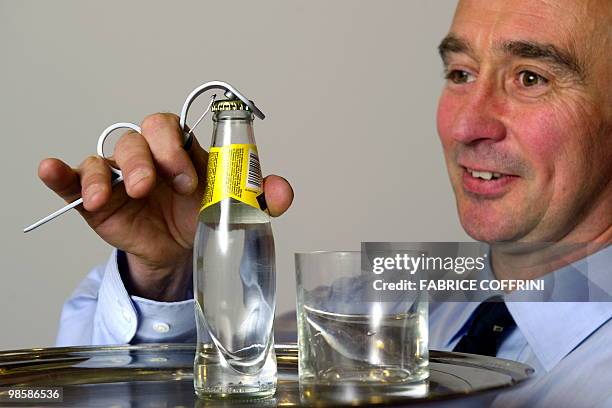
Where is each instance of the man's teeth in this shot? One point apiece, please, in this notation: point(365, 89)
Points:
point(486, 175)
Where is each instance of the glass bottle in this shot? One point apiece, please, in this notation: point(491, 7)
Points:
point(234, 266)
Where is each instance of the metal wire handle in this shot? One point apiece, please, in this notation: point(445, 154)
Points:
point(230, 92)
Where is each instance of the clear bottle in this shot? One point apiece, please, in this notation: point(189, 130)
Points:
point(234, 267)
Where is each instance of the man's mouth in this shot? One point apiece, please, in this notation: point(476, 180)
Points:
point(487, 183)
point(485, 175)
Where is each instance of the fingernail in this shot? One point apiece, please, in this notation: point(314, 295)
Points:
point(138, 175)
point(182, 183)
point(91, 192)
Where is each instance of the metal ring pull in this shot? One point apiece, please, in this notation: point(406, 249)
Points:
point(206, 87)
point(106, 132)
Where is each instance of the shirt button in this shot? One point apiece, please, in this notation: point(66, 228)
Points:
point(161, 327)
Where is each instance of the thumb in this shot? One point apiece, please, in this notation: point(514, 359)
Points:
point(278, 193)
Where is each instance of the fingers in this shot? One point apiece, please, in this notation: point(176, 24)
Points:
point(60, 178)
point(279, 194)
point(135, 160)
point(91, 181)
point(163, 134)
point(141, 157)
point(95, 178)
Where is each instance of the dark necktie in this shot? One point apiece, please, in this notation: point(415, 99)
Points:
point(491, 323)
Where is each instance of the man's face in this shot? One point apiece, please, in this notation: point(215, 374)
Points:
point(525, 118)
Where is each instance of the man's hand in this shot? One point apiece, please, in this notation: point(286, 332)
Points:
point(152, 217)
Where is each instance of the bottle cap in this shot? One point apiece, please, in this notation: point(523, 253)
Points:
point(229, 104)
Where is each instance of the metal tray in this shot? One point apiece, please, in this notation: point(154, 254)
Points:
point(161, 375)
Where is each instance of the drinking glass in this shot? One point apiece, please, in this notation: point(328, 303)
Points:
point(355, 341)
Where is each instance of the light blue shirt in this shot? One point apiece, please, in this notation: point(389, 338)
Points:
point(568, 344)
point(100, 311)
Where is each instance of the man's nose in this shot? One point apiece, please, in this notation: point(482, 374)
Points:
point(480, 116)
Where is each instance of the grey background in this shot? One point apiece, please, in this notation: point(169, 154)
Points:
point(349, 88)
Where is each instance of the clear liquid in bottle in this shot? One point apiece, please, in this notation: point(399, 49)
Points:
point(234, 288)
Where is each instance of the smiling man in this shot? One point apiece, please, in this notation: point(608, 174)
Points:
point(525, 120)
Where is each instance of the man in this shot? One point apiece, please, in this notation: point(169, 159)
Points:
point(525, 120)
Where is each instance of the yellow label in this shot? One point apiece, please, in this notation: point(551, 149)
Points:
point(234, 171)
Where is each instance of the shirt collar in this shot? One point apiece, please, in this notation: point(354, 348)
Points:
point(554, 329)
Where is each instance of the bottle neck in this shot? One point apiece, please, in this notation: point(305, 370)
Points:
point(232, 127)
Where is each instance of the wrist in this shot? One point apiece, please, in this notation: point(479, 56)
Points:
point(170, 283)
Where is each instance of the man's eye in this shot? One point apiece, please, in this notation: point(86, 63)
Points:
point(458, 76)
point(530, 78)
